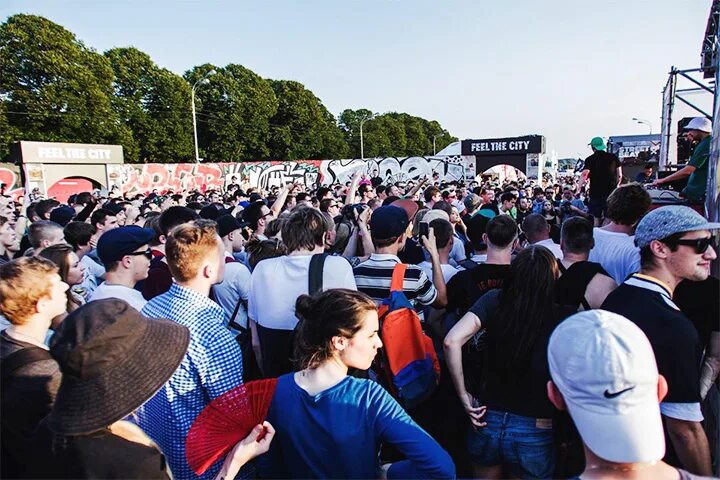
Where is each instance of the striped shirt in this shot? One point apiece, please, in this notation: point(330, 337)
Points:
point(374, 275)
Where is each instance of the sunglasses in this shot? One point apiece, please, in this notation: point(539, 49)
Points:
point(700, 244)
point(147, 253)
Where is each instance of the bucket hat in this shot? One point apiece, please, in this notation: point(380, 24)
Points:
point(113, 360)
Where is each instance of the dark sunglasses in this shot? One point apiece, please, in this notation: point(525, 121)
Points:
point(334, 205)
point(147, 253)
point(700, 244)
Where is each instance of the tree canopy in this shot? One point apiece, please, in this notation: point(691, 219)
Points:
point(55, 88)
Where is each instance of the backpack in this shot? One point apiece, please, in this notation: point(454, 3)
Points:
point(409, 361)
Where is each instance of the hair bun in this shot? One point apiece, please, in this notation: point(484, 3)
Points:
point(303, 306)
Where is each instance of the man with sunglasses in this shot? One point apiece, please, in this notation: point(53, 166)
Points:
point(126, 253)
point(675, 243)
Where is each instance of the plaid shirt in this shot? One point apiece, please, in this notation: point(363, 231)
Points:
point(211, 367)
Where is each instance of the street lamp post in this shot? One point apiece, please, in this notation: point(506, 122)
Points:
point(434, 137)
point(644, 122)
point(362, 145)
point(201, 81)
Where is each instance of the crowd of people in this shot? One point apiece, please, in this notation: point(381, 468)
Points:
point(572, 336)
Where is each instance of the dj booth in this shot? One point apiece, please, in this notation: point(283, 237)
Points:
point(663, 197)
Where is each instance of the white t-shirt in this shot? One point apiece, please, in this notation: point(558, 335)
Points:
point(617, 254)
point(448, 270)
point(130, 295)
point(552, 246)
point(276, 283)
point(235, 286)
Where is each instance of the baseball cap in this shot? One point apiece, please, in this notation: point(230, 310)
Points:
point(665, 221)
point(699, 123)
point(472, 201)
point(597, 143)
point(118, 242)
point(227, 224)
point(388, 222)
point(434, 215)
point(410, 207)
point(62, 215)
point(605, 368)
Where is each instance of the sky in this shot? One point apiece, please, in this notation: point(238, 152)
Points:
point(568, 70)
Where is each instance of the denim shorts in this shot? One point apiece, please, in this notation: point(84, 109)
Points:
point(525, 444)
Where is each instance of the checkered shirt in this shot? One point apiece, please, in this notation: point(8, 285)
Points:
point(211, 367)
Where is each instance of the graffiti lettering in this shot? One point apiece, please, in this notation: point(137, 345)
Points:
point(10, 177)
point(265, 175)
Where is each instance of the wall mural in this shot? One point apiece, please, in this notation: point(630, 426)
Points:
point(142, 178)
point(10, 176)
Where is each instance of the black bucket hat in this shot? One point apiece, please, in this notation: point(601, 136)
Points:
point(113, 360)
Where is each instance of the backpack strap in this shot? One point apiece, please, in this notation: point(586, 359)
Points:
point(398, 277)
point(21, 358)
point(232, 323)
point(315, 277)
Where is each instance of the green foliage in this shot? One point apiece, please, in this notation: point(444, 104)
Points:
point(392, 134)
point(54, 88)
point(155, 104)
point(234, 108)
point(302, 128)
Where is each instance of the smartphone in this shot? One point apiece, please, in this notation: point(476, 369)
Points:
point(424, 230)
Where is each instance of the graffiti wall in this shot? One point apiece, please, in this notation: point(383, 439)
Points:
point(10, 178)
point(132, 179)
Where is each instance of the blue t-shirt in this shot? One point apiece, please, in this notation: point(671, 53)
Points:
point(337, 434)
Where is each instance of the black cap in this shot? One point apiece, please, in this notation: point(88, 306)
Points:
point(118, 242)
point(227, 224)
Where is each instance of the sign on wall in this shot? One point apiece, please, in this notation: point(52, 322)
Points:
point(57, 152)
point(504, 146)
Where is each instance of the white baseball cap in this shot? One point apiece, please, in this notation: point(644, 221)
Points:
point(699, 123)
point(605, 368)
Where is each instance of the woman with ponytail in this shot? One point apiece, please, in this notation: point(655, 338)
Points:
point(331, 425)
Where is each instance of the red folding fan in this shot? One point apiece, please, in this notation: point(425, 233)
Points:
point(227, 420)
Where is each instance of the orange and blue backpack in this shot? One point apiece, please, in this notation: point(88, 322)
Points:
point(409, 361)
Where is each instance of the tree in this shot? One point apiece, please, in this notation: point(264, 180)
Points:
point(234, 112)
point(392, 134)
point(54, 88)
point(155, 104)
point(349, 123)
point(302, 128)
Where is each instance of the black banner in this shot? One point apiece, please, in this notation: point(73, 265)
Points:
point(504, 146)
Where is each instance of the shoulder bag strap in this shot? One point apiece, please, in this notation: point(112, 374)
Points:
point(398, 278)
point(315, 277)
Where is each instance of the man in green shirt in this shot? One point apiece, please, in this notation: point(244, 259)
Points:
point(698, 130)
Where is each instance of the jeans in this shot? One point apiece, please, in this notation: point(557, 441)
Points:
point(525, 444)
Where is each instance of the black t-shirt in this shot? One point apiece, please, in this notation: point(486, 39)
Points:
point(571, 286)
point(97, 455)
point(673, 337)
point(27, 397)
point(519, 389)
point(467, 286)
point(603, 179)
point(701, 303)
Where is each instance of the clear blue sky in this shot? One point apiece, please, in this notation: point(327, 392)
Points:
point(566, 69)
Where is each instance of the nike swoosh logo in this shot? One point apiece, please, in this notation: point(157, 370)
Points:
point(615, 394)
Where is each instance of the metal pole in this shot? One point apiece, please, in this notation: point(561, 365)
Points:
point(434, 149)
point(197, 153)
point(362, 150)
